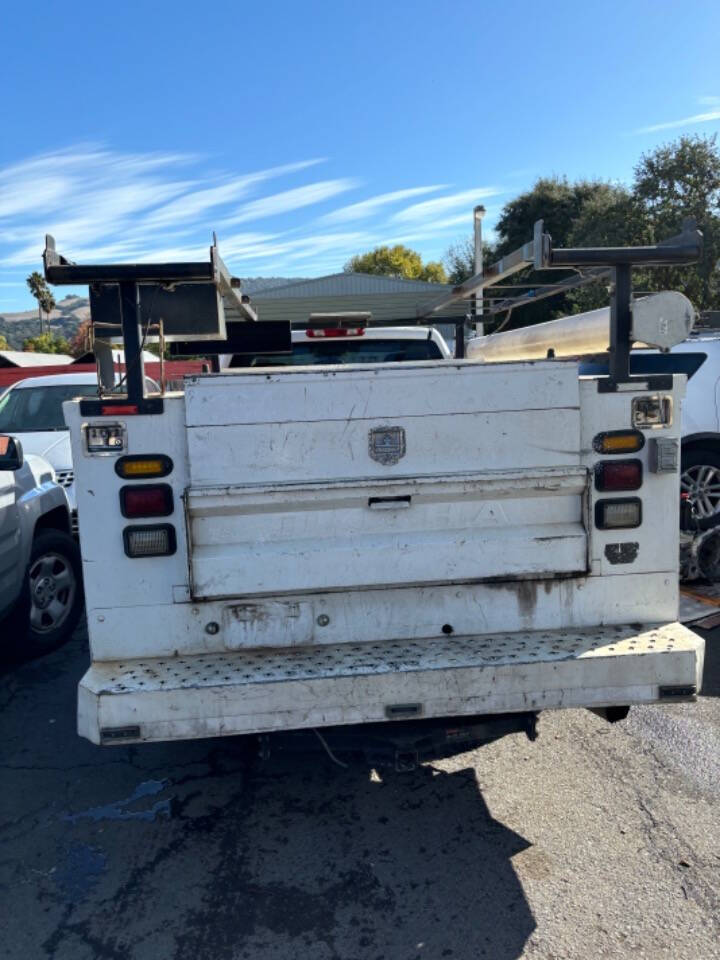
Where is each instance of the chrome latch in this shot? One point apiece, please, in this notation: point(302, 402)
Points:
point(651, 412)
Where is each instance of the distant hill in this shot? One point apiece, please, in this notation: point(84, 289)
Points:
point(71, 310)
point(64, 320)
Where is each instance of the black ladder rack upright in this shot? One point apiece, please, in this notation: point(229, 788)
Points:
point(211, 277)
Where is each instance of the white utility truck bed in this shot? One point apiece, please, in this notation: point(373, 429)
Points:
point(386, 544)
point(323, 575)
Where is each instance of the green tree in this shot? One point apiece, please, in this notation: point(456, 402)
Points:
point(675, 181)
point(81, 341)
point(397, 261)
point(46, 343)
point(613, 217)
point(554, 200)
point(459, 259)
point(558, 202)
point(45, 300)
point(4, 345)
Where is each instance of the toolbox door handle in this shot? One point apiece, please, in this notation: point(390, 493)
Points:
point(389, 503)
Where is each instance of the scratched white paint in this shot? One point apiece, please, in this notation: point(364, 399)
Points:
point(250, 541)
point(395, 613)
point(376, 391)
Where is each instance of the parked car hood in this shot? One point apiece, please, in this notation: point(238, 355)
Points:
point(53, 445)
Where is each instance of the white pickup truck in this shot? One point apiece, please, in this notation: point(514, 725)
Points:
point(434, 545)
point(40, 580)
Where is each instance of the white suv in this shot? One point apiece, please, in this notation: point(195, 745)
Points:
point(700, 469)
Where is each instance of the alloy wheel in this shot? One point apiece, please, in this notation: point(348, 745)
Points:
point(53, 586)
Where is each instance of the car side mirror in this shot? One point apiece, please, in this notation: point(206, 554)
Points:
point(11, 453)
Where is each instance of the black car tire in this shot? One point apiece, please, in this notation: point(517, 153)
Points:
point(52, 599)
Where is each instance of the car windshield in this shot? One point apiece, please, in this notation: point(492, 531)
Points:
point(340, 350)
point(27, 409)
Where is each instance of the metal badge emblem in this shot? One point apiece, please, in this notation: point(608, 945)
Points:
point(387, 444)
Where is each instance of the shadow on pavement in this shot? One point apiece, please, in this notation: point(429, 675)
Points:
point(412, 866)
point(178, 851)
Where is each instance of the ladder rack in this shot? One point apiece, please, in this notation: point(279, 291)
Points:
point(616, 263)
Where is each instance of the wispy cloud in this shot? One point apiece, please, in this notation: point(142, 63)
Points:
point(106, 205)
point(187, 208)
point(689, 121)
point(441, 205)
point(368, 208)
point(290, 200)
point(86, 174)
point(114, 205)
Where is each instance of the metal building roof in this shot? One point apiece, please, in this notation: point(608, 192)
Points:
point(26, 358)
point(389, 299)
point(350, 284)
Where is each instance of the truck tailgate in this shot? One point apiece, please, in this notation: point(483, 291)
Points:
point(374, 476)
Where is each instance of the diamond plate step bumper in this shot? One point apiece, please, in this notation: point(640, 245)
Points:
point(258, 691)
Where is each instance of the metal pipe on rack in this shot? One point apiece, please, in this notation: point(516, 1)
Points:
point(661, 320)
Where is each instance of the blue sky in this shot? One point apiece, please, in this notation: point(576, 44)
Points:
point(306, 132)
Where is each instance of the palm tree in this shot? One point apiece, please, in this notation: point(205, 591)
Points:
point(47, 303)
point(40, 290)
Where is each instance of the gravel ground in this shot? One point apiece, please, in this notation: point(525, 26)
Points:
point(595, 841)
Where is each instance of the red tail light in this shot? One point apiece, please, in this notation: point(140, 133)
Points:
point(618, 475)
point(148, 500)
point(119, 409)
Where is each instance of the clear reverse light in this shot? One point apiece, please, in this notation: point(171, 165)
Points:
point(157, 540)
point(618, 514)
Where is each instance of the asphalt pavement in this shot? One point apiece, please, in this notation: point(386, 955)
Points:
point(596, 841)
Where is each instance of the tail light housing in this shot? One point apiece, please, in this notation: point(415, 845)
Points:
point(151, 540)
point(618, 475)
point(624, 513)
point(146, 500)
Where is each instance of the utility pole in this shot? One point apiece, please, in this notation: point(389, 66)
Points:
point(478, 214)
